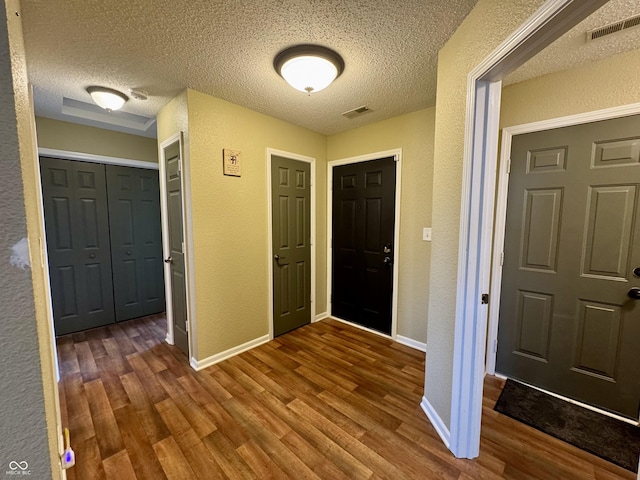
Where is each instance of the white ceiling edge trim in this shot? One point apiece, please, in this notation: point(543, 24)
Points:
point(92, 158)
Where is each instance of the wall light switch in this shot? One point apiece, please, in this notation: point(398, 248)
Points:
point(426, 234)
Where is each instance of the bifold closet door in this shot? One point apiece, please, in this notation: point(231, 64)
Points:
point(77, 225)
point(136, 241)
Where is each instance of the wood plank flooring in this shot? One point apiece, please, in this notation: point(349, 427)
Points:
point(326, 401)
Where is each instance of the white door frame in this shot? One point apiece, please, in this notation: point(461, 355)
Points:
point(185, 189)
point(484, 85)
point(397, 154)
point(271, 152)
point(501, 203)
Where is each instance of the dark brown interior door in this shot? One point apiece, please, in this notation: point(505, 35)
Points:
point(363, 221)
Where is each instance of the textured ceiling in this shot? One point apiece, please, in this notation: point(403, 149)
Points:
point(572, 49)
point(225, 48)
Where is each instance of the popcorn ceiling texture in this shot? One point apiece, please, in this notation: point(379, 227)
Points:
point(572, 50)
point(226, 49)
point(25, 436)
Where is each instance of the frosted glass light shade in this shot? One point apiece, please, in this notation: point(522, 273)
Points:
point(107, 98)
point(309, 68)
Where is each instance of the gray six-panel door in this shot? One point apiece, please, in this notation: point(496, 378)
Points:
point(571, 261)
point(136, 241)
point(77, 228)
point(176, 254)
point(291, 214)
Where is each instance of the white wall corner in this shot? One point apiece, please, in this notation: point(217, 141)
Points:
point(321, 316)
point(436, 421)
point(410, 342)
point(219, 357)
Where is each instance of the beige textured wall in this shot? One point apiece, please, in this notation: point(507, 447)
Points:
point(607, 83)
point(488, 24)
point(414, 134)
point(230, 217)
point(32, 365)
point(96, 141)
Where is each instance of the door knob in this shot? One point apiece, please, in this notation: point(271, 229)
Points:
point(128, 252)
point(636, 271)
point(277, 257)
point(387, 261)
point(92, 255)
point(168, 260)
point(634, 292)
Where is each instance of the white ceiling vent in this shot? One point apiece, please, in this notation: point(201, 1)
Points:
point(613, 28)
point(356, 112)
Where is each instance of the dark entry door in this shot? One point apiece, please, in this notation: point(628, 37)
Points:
point(291, 214)
point(136, 241)
point(173, 169)
point(363, 250)
point(572, 258)
point(77, 226)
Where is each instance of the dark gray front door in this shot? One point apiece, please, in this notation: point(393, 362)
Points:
point(291, 213)
point(173, 167)
point(363, 231)
point(572, 254)
point(77, 226)
point(136, 241)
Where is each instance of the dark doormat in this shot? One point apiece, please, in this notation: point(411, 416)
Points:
point(615, 441)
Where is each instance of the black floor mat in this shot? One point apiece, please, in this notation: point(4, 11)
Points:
point(606, 437)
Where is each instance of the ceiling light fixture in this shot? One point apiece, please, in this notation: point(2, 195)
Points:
point(308, 68)
point(107, 98)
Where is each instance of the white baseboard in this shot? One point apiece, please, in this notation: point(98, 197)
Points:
point(410, 342)
point(320, 316)
point(436, 421)
point(218, 357)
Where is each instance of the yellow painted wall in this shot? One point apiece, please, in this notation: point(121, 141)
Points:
point(414, 134)
point(25, 133)
point(607, 83)
point(488, 24)
point(96, 141)
point(229, 215)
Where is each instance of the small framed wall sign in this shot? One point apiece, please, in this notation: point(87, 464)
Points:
point(231, 162)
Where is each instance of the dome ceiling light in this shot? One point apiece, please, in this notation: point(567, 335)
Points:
point(308, 68)
point(107, 98)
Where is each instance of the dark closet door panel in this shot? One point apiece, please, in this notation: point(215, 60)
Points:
point(136, 242)
point(77, 226)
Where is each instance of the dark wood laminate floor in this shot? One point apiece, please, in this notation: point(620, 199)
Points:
point(326, 401)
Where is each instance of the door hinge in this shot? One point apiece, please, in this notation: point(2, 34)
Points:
point(179, 167)
point(485, 298)
point(495, 346)
point(509, 165)
point(186, 324)
point(182, 247)
point(396, 158)
point(501, 258)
